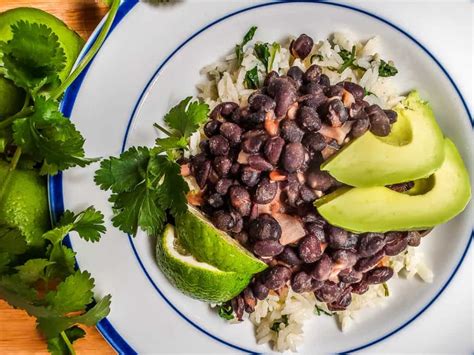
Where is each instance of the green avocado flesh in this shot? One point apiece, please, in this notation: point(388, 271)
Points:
point(70, 41)
point(431, 202)
point(196, 279)
point(210, 245)
point(413, 150)
point(25, 204)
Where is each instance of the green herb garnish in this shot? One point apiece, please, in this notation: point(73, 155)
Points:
point(146, 182)
point(266, 52)
point(349, 59)
point(251, 78)
point(276, 325)
point(239, 48)
point(225, 311)
point(386, 291)
point(367, 92)
point(318, 311)
point(386, 70)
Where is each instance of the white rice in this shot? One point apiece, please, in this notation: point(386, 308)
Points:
point(224, 81)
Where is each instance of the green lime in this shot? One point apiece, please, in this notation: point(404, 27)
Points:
point(213, 246)
point(196, 279)
point(25, 203)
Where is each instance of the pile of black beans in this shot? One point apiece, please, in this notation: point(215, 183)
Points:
point(273, 149)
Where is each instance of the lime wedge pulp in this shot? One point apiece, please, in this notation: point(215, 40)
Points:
point(196, 279)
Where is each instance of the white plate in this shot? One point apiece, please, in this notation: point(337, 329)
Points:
point(150, 62)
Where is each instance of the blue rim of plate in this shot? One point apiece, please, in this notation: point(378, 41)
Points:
point(55, 183)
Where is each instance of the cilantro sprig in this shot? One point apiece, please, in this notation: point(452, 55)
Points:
point(145, 182)
point(239, 48)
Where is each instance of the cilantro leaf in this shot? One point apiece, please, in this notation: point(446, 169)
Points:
point(50, 138)
point(13, 289)
point(262, 53)
point(89, 224)
point(57, 345)
point(186, 117)
point(170, 143)
point(51, 326)
point(33, 56)
point(33, 270)
point(386, 70)
point(239, 48)
point(73, 294)
point(251, 78)
point(63, 259)
point(225, 311)
point(11, 241)
point(276, 325)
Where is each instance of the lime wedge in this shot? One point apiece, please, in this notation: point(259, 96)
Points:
point(210, 245)
point(196, 279)
point(25, 204)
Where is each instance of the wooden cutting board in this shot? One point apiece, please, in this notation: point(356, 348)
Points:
point(18, 333)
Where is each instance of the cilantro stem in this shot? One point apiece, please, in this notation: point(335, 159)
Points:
point(12, 167)
point(56, 93)
point(163, 129)
point(26, 111)
point(68, 343)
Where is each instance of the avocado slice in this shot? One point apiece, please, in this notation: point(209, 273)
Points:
point(25, 204)
point(69, 40)
point(430, 202)
point(413, 150)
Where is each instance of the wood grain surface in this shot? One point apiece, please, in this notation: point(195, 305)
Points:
point(18, 333)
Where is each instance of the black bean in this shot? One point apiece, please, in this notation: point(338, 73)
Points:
point(238, 222)
point(307, 194)
point(289, 257)
point(270, 77)
point(218, 145)
point(336, 113)
point(308, 118)
point(359, 127)
point(337, 237)
point(222, 186)
point(309, 249)
point(224, 109)
point(370, 244)
point(204, 147)
point(231, 131)
point(402, 187)
point(260, 290)
point(356, 90)
point(223, 220)
point(317, 230)
point(314, 141)
point(265, 227)
point(273, 148)
point(350, 276)
point(357, 110)
point(284, 93)
point(293, 157)
point(254, 118)
point(342, 302)
point(379, 122)
point(295, 73)
point(396, 242)
point(365, 264)
point(259, 163)
point(320, 180)
point(344, 258)
point(414, 238)
point(222, 165)
point(329, 292)
point(211, 128)
point(277, 277)
point(215, 200)
point(302, 46)
point(392, 116)
point(267, 248)
point(322, 268)
point(250, 176)
point(265, 192)
point(292, 192)
point(313, 88)
point(252, 145)
point(238, 306)
point(335, 91)
point(301, 282)
point(312, 73)
point(235, 168)
point(314, 101)
point(360, 288)
point(379, 275)
point(240, 200)
point(324, 80)
point(290, 131)
point(249, 300)
point(242, 237)
point(201, 173)
point(261, 102)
